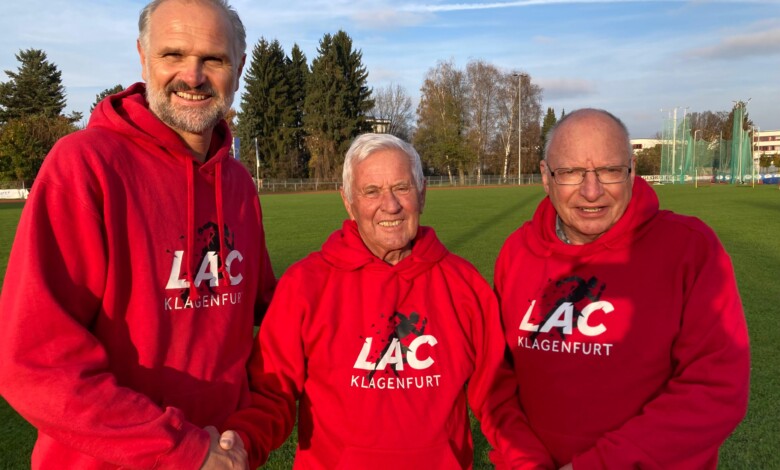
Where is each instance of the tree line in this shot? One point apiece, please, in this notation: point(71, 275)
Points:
point(297, 118)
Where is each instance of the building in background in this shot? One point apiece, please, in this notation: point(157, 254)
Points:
point(641, 144)
point(765, 144)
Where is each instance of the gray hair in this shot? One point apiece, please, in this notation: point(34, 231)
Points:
point(230, 12)
point(553, 129)
point(366, 144)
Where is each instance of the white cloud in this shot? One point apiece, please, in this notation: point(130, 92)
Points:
point(496, 5)
point(387, 19)
point(561, 88)
point(544, 40)
point(738, 46)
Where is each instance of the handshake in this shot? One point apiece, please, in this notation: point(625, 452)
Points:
point(225, 451)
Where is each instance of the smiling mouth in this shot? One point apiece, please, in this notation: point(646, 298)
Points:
point(390, 223)
point(591, 210)
point(190, 97)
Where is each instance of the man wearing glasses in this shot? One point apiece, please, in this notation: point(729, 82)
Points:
point(624, 321)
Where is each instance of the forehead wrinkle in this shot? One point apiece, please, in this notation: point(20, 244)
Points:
point(208, 31)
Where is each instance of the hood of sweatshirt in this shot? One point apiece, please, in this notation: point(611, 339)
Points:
point(639, 216)
point(128, 114)
point(344, 250)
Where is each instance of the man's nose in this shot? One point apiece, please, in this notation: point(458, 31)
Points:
point(390, 202)
point(591, 188)
point(192, 72)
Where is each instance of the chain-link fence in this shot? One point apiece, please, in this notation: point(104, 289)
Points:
point(268, 185)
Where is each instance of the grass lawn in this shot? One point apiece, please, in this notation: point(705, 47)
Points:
point(474, 222)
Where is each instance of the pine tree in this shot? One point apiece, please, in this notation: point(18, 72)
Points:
point(36, 88)
point(297, 76)
point(267, 113)
point(104, 94)
point(337, 104)
point(549, 121)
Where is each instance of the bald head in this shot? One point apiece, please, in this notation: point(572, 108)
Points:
point(593, 118)
point(587, 173)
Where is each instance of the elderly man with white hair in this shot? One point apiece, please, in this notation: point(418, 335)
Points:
point(383, 337)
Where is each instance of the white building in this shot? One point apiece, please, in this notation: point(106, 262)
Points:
point(765, 143)
point(641, 144)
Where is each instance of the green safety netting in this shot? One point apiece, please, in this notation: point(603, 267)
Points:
point(687, 158)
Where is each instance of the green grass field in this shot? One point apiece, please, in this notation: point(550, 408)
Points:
point(474, 223)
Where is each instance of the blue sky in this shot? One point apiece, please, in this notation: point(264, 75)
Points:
point(638, 59)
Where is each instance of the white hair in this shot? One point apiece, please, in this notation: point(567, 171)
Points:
point(366, 144)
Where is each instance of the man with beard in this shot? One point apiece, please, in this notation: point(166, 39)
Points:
point(140, 265)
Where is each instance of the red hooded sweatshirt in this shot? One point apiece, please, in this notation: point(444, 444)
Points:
point(383, 360)
point(630, 351)
point(130, 294)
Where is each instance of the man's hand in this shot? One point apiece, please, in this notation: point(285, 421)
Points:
point(568, 466)
point(225, 452)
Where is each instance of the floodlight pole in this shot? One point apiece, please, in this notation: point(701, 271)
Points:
point(743, 105)
point(685, 151)
point(752, 159)
point(519, 127)
point(695, 167)
point(674, 145)
point(257, 166)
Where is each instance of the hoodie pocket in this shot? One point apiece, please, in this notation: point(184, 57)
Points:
point(438, 457)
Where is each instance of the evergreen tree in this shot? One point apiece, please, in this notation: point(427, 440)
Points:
point(267, 113)
point(104, 94)
point(36, 88)
point(297, 76)
point(337, 104)
point(547, 124)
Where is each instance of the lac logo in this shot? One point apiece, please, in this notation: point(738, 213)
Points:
point(576, 299)
point(403, 345)
point(209, 272)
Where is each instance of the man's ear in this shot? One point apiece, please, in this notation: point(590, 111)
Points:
point(545, 176)
point(422, 195)
point(347, 205)
point(240, 71)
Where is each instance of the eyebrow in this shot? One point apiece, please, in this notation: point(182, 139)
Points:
point(167, 49)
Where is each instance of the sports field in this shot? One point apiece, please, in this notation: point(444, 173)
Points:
point(474, 222)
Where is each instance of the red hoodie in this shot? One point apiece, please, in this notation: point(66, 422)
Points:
point(130, 294)
point(630, 351)
point(379, 357)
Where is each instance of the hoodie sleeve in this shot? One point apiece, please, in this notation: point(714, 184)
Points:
point(267, 279)
point(54, 371)
point(276, 374)
point(492, 389)
point(707, 395)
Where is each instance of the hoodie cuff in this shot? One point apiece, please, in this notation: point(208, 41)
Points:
point(190, 452)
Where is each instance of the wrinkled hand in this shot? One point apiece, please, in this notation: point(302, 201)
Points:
point(568, 466)
point(225, 451)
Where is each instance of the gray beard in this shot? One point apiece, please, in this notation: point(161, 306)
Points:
point(188, 120)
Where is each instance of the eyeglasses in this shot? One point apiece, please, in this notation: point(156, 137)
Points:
point(605, 175)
